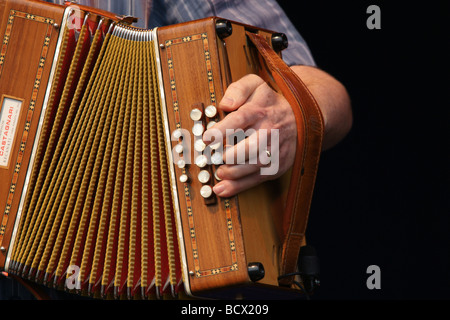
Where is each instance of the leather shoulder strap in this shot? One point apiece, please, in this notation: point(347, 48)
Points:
point(308, 148)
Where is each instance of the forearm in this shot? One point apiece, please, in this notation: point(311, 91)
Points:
point(333, 101)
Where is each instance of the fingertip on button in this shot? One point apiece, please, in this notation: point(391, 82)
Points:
point(216, 176)
point(219, 189)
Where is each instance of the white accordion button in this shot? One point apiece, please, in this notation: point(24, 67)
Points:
point(210, 111)
point(177, 134)
point(184, 178)
point(179, 148)
point(181, 163)
point(203, 176)
point(217, 158)
point(217, 178)
point(196, 114)
point(206, 191)
point(210, 124)
point(198, 129)
point(201, 161)
point(199, 145)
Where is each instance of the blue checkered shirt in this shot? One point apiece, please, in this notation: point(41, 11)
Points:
point(265, 14)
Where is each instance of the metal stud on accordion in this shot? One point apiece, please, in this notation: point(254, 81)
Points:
point(116, 202)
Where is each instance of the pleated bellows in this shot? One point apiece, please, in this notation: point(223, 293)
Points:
point(98, 211)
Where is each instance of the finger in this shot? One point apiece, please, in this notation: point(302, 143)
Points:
point(240, 119)
point(238, 92)
point(239, 153)
point(252, 150)
point(229, 188)
point(234, 172)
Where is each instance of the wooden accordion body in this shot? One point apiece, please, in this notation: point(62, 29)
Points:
point(91, 196)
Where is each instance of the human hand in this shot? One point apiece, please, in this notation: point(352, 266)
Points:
point(252, 104)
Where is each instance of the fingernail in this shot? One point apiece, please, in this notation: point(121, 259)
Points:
point(219, 188)
point(226, 102)
point(218, 174)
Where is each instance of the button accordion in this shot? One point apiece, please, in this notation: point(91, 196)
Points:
point(95, 195)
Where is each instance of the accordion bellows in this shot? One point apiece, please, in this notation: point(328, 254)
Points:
point(95, 200)
point(97, 168)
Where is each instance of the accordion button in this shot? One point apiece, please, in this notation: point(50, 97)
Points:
point(217, 158)
point(210, 124)
point(215, 176)
point(206, 191)
point(198, 129)
point(199, 145)
point(196, 114)
point(201, 161)
point(179, 148)
point(203, 176)
point(184, 178)
point(177, 134)
point(181, 163)
point(210, 111)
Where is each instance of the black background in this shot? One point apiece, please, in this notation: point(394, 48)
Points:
point(381, 195)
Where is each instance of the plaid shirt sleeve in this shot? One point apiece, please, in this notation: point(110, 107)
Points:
point(265, 14)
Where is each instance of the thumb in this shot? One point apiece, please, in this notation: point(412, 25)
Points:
point(239, 92)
